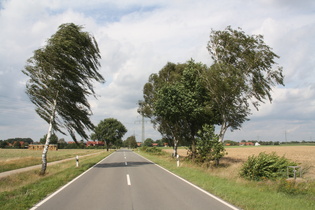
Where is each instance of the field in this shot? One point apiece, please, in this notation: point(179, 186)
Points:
point(11, 159)
point(303, 155)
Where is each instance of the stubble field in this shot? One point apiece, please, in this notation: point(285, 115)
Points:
point(236, 156)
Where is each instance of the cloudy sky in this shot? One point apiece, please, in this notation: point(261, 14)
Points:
point(138, 37)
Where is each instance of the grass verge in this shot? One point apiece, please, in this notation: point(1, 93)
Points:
point(24, 190)
point(241, 193)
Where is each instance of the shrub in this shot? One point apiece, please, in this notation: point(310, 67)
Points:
point(209, 148)
point(152, 150)
point(265, 166)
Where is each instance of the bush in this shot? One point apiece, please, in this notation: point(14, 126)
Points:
point(209, 148)
point(265, 166)
point(152, 150)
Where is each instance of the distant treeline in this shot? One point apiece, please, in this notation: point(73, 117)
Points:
point(16, 142)
point(235, 143)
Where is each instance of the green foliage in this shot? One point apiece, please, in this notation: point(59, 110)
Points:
point(109, 130)
point(53, 139)
point(131, 142)
point(209, 148)
point(152, 150)
point(148, 142)
point(265, 166)
point(177, 103)
point(243, 72)
point(61, 75)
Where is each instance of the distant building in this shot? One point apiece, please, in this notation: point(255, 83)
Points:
point(139, 144)
point(94, 143)
point(246, 144)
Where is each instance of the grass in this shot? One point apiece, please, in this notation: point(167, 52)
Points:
point(24, 190)
point(239, 192)
point(11, 159)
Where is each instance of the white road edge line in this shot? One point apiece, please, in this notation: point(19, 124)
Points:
point(56, 192)
point(195, 186)
point(128, 180)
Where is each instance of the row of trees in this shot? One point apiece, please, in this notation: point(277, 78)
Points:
point(184, 101)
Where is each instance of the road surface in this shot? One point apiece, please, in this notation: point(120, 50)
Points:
point(126, 180)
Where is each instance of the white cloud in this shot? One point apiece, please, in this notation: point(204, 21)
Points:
point(137, 38)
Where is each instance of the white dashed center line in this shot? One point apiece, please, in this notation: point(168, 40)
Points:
point(128, 180)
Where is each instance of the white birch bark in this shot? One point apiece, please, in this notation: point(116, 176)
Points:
point(175, 147)
point(45, 150)
point(223, 129)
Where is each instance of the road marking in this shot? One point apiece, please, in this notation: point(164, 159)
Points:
point(128, 180)
point(125, 157)
point(195, 186)
point(56, 192)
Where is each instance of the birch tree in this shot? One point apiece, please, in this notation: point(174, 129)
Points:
point(244, 72)
point(61, 75)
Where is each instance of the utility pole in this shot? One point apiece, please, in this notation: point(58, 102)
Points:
point(142, 128)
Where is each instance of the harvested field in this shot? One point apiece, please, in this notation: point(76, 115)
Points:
point(303, 155)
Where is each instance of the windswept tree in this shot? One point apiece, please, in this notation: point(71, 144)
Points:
point(109, 131)
point(177, 102)
point(244, 72)
point(61, 75)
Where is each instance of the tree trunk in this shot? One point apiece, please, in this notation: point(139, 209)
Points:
point(45, 150)
point(107, 145)
point(193, 149)
point(175, 147)
point(223, 129)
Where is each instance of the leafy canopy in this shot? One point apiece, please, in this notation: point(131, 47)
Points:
point(61, 75)
point(109, 130)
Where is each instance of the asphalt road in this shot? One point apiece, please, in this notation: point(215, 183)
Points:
point(125, 180)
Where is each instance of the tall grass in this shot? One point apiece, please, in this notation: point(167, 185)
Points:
point(239, 192)
point(23, 190)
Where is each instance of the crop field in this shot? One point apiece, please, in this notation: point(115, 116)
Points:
point(303, 155)
point(11, 159)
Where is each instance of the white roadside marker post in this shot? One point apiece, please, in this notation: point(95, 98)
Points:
point(77, 160)
point(177, 160)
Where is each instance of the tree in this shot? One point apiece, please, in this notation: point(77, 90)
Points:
point(17, 144)
point(169, 74)
point(62, 143)
point(3, 143)
point(53, 139)
point(176, 101)
point(61, 75)
point(109, 131)
point(148, 142)
point(242, 74)
point(131, 142)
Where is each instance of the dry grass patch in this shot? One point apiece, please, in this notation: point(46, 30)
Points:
point(236, 156)
point(11, 159)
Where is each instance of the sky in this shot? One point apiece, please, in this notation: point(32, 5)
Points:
point(138, 37)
